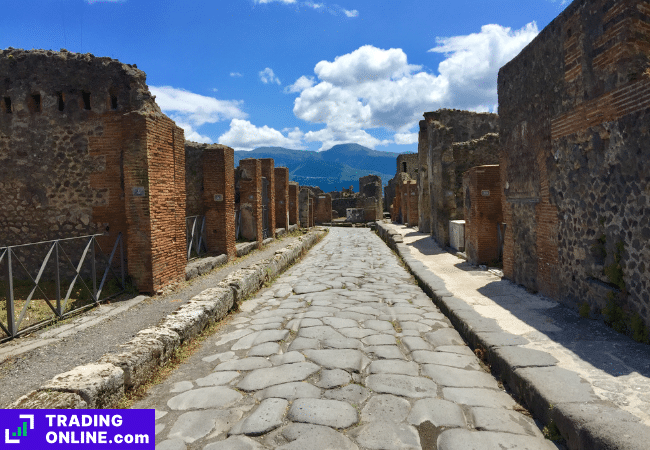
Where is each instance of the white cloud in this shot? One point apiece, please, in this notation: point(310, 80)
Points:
point(329, 137)
point(243, 135)
point(267, 76)
point(260, 2)
point(190, 110)
point(335, 10)
point(235, 74)
point(406, 138)
point(300, 85)
point(353, 13)
point(90, 2)
point(377, 88)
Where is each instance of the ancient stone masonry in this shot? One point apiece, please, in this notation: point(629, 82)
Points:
point(483, 214)
point(575, 161)
point(424, 200)
point(323, 209)
point(249, 181)
point(455, 142)
point(282, 197)
point(85, 149)
point(294, 203)
point(393, 195)
point(407, 164)
point(305, 207)
point(370, 187)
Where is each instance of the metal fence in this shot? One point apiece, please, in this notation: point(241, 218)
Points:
point(55, 270)
point(196, 238)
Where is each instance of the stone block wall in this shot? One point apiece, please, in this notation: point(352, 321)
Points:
point(483, 214)
point(250, 199)
point(575, 163)
point(424, 199)
point(390, 192)
point(323, 209)
point(408, 163)
point(282, 197)
point(268, 172)
point(218, 167)
point(85, 149)
point(311, 212)
point(370, 187)
point(455, 141)
point(294, 203)
point(303, 207)
point(412, 208)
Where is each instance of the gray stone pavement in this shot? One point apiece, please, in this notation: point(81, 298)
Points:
point(343, 351)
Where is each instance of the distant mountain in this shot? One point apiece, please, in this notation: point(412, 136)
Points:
point(331, 170)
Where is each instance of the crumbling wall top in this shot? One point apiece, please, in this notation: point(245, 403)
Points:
point(42, 80)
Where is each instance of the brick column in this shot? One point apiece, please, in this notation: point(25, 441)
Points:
point(294, 204)
point(219, 199)
point(282, 197)
point(323, 208)
point(311, 211)
point(413, 203)
point(268, 172)
point(397, 203)
point(250, 199)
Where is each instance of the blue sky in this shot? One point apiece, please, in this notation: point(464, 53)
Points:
point(292, 73)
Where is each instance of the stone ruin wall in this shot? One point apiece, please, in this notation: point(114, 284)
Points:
point(575, 159)
point(411, 162)
point(424, 199)
point(370, 187)
point(77, 134)
point(455, 142)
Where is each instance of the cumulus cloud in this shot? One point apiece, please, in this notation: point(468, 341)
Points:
point(267, 76)
point(300, 85)
point(377, 88)
point(190, 110)
point(235, 74)
point(406, 138)
point(243, 135)
point(353, 13)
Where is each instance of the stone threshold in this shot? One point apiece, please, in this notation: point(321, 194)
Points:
point(103, 384)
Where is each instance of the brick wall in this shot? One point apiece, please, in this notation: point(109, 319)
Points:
point(370, 189)
point(219, 199)
point(294, 204)
point(311, 212)
point(268, 172)
point(194, 178)
point(281, 197)
point(483, 213)
point(250, 199)
point(575, 160)
point(76, 140)
point(323, 209)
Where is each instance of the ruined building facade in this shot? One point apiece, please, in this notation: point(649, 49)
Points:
point(575, 163)
point(84, 149)
point(453, 142)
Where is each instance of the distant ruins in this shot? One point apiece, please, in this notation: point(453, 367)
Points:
point(86, 150)
point(369, 200)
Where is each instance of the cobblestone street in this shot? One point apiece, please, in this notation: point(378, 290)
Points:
point(343, 351)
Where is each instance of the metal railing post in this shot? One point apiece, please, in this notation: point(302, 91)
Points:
point(93, 268)
point(11, 319)
point(58, 279)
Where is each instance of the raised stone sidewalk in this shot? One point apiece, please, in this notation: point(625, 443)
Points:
point(344, 351)
point(591, 382)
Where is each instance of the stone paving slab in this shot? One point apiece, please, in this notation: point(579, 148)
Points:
point(565, 368)
point(366, 362)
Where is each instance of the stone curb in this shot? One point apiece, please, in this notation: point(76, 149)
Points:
point(102, 384)
point(553, 395)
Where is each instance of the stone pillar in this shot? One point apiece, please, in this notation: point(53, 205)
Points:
point(250, 199)
point(424, 200)
point(219, 199)
point(323, 209)
point(412, 203)
point(311, 212)
point(282, 197)
point(294, 204)
point(268, 172)
point(304, 208)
